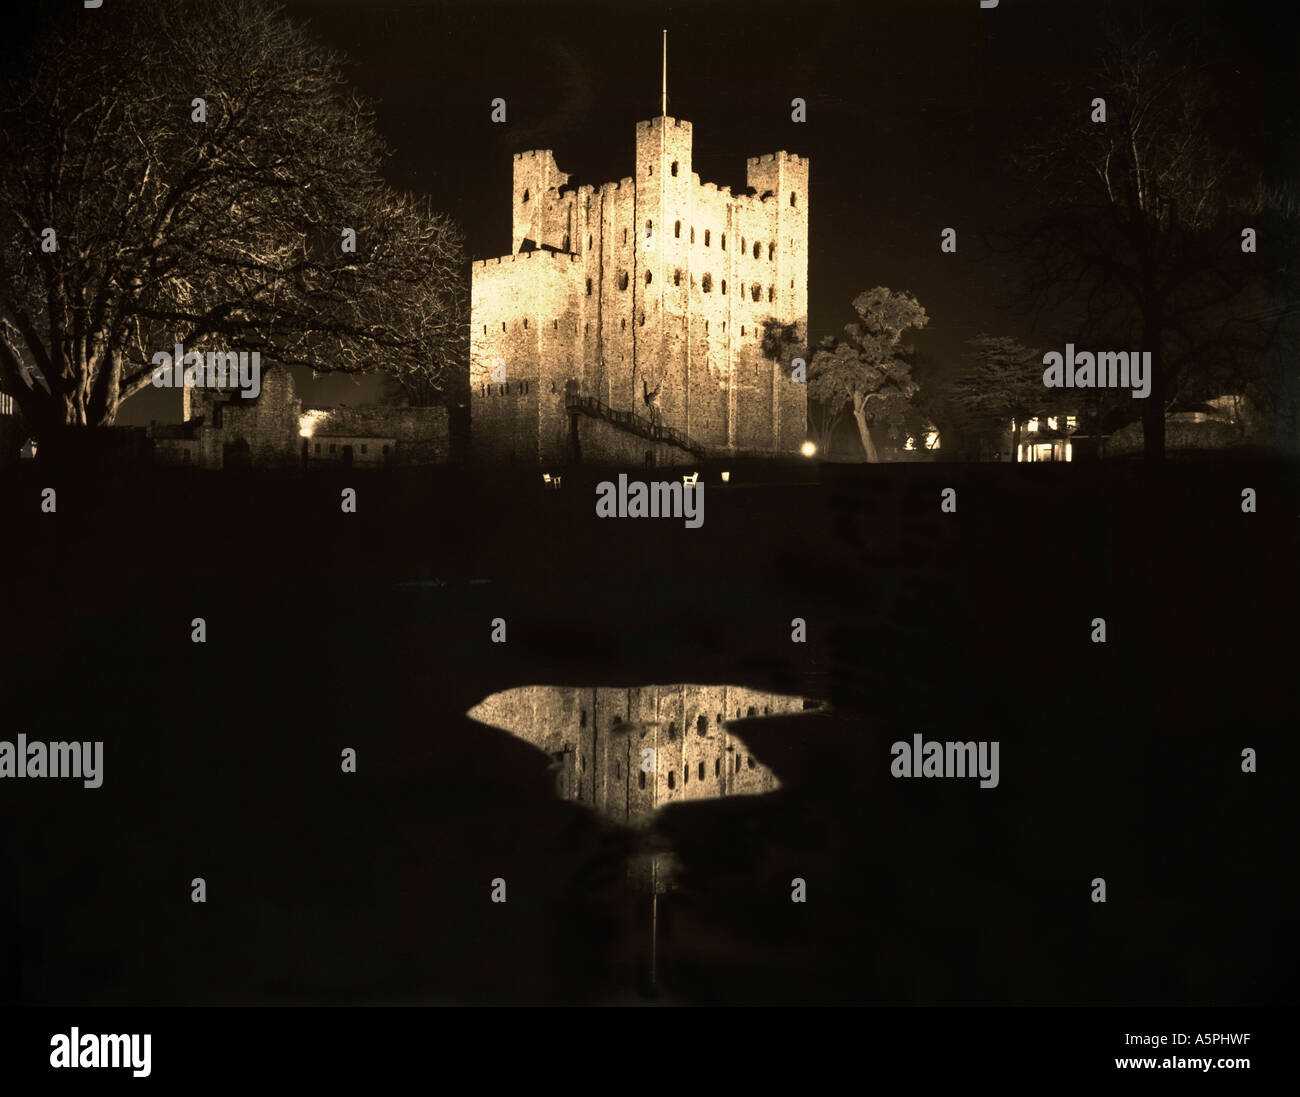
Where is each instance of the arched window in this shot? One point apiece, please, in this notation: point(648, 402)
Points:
point(675, 170)
point(771, 252)
point(757, 248)
point(622, 280)
point(792, 201)
point(706, 238)
point(677, 229)
point(525, 194)
point(701, 724)
point(706, 283)
point(648, 277)
point(749, 761)
point(724, 285)
point(755, 291)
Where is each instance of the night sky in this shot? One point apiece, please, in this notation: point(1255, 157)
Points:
point(914, 111)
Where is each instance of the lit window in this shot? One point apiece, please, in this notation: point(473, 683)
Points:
point(1032, 425)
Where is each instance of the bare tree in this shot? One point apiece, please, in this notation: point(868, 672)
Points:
point(198, 173)
point(1142, 232)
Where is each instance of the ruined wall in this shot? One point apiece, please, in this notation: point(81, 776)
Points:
point(413, 435)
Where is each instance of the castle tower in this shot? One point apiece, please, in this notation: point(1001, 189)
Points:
point(650, 295)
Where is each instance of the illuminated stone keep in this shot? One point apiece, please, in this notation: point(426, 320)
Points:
point(650, 294)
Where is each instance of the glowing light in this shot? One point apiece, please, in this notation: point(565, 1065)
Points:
point(725, 477)
point(808, 449)
point(308, 421)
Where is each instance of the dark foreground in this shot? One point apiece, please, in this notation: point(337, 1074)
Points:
point(1119, 760)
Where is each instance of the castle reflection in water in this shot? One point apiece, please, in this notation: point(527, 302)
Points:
point(626, 752)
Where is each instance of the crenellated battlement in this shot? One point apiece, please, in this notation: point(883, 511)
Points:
point(774, 157)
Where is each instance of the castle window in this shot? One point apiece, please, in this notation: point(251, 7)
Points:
point(625, 236)
point(484, 329)
point(771, 293)
point(757, 248)
point(742, 245)
point(771, 252)
point(649, 229)
point(766, 710)
point(503, 325)
point(674, 167)
point(617, 720)
point(706, 327)
point(724, 325)
point(586, 330)
point(555, 325)
point(622, 280)
point(552, 387)
point(582, 719)
point(749, 761)
point(672, 730)
point(686, 774)
point(503, 392)
point(792, 283)
point(525, 194)
point(650, 169)
point(583, 762)
point(641, 779)
point(672, 779)
point(755, 291)
point(618, 771)
point(624, 328)
point(701, 724)
point(700, 774)
point(648, 277)
point(692, 234)
point(643, 319)
point(525, 323)
point(724, 241)
point(677, 229)
point(589, 241)
point(677, 278)
point(742, 329)
point(792, 201)
point(588, 287)
point(718, 718)
point(717, 767)
point(752, 711)
point(706, 283)
point(363, 447)
point(706, 238)
point(724, 285)
point(566, 242)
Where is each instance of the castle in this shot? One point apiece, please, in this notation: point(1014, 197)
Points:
point(627, 752)
point(646, 296)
